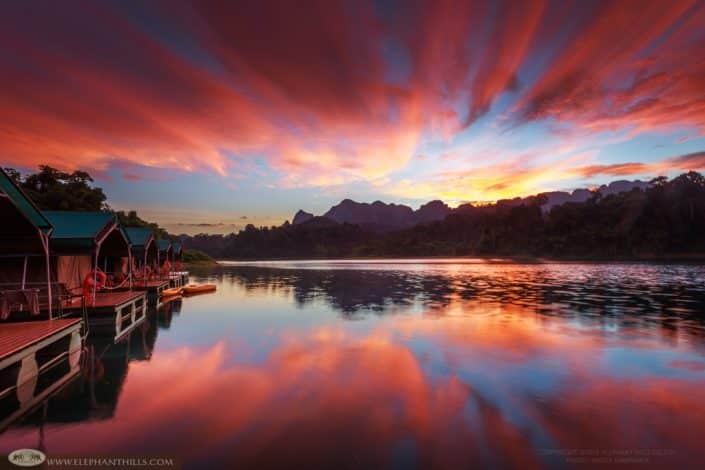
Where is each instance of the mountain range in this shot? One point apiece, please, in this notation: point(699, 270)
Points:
point(382, 217)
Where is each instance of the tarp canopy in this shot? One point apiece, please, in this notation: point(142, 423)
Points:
point(72, 270)
point(177, 250)
point(115, 244)
point(164, 246)
point(141, 241)
point(22, 221)
point(13, 269)
point(164, 251)
point(140, 237)
point(79, 237)
point(80, 233)
point(24, 243)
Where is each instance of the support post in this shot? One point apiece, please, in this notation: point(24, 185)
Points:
point(95, 272)
point(45, 244)
point(24, 272)
point(129, 265)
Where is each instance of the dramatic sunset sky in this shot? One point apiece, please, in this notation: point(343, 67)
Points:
point(217, 114)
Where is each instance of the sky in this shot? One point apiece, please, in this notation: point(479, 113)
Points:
point(206, 116)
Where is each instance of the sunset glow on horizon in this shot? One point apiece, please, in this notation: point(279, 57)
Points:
point(219, 114)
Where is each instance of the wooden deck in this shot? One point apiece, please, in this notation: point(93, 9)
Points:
point(115, 312)
point(102, 300)
point(152, 287)
point(112, 299)
point(36, 359)
point(14, 337)
point(176, 280)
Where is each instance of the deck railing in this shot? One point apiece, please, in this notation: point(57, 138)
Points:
point(60, 297)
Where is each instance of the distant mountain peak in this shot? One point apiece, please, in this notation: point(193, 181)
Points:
point(302, 216)
point(380, 216)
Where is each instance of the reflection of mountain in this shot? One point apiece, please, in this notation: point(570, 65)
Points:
point(554, 288)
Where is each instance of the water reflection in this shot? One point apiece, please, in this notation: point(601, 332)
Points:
point(480, 366)
point(587, 289)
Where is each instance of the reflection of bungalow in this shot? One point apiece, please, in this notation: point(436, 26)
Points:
point(92, 262)
point(36, 357)
point(144, 249)
point(166, 311)
point(46, 361)
point(95, 396)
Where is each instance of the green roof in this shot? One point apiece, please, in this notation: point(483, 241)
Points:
point(138, 236)
point(176, 246)
point(79, 225)
point(23, 203)
point(164, 245)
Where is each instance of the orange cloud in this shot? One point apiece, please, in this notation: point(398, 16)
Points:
point(689, 162)
point(330, 94)
point(516, 175)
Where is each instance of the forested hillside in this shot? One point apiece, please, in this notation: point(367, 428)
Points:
point(667, 219)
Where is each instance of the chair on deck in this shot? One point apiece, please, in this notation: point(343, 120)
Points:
point(18, 300)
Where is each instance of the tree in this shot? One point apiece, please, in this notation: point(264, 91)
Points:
point(667, 219)
point(52, 189)
point(131, 219)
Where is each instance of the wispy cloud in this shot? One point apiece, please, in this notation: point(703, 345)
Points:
point(316, 93)
point(692, 161)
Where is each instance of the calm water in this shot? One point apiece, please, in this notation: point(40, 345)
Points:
point(400, 365)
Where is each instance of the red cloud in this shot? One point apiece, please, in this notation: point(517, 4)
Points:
point(629, 64)
point(689, 162)
point(193, 87)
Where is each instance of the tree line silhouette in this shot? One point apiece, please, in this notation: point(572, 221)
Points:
point(666, 220)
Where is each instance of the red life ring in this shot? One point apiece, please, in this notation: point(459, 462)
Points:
point(89, 282)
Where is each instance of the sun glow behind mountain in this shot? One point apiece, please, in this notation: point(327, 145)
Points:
point(261, 108)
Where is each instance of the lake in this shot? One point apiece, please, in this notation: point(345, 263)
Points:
point(399, 364)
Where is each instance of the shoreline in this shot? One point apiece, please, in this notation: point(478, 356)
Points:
point(671, 259)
